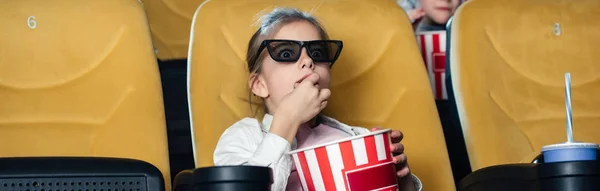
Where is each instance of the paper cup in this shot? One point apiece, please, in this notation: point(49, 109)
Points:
point(357, 163)
point(565, 152)
point(433, 50)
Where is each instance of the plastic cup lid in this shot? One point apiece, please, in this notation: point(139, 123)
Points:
point(567, 145)
point(216, 174)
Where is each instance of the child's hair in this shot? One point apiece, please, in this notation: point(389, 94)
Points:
point(268, 25)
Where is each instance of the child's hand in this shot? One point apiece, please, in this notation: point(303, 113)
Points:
point(299, 106)
point(400, 159)
point(416, 14)
point(305, 101)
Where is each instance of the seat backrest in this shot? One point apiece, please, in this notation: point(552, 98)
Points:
point(379, 80)
point(170, 22)
point(79, 173)
point(79, 78)
point(508, 75)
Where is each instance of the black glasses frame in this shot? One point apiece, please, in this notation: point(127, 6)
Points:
point(302, 44)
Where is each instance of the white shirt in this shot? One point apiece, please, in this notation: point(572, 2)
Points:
point(248, 142)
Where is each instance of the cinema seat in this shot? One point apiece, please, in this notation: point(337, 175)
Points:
point(170, 22)
point(79, 79)
point(507, 73)
point(379, 80)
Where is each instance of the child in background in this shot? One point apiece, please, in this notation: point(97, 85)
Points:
point(413, 9)
point(437, 14)
point(289, 59)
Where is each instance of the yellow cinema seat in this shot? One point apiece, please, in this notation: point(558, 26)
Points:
point(379, 80)
point(508, 75)
point(170, 22)
point(79, 78)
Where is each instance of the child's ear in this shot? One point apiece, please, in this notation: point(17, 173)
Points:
point(258, 86)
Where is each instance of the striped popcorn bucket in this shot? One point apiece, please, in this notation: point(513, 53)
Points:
point(358, 163)
point(433, 50)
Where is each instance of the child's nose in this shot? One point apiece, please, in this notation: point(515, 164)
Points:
point(305, 60)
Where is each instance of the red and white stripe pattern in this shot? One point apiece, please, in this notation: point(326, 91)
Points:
point(433, 50)
point(329, 167)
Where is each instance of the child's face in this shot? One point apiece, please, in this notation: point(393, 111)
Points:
point(439, 11)
point(280, 77)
